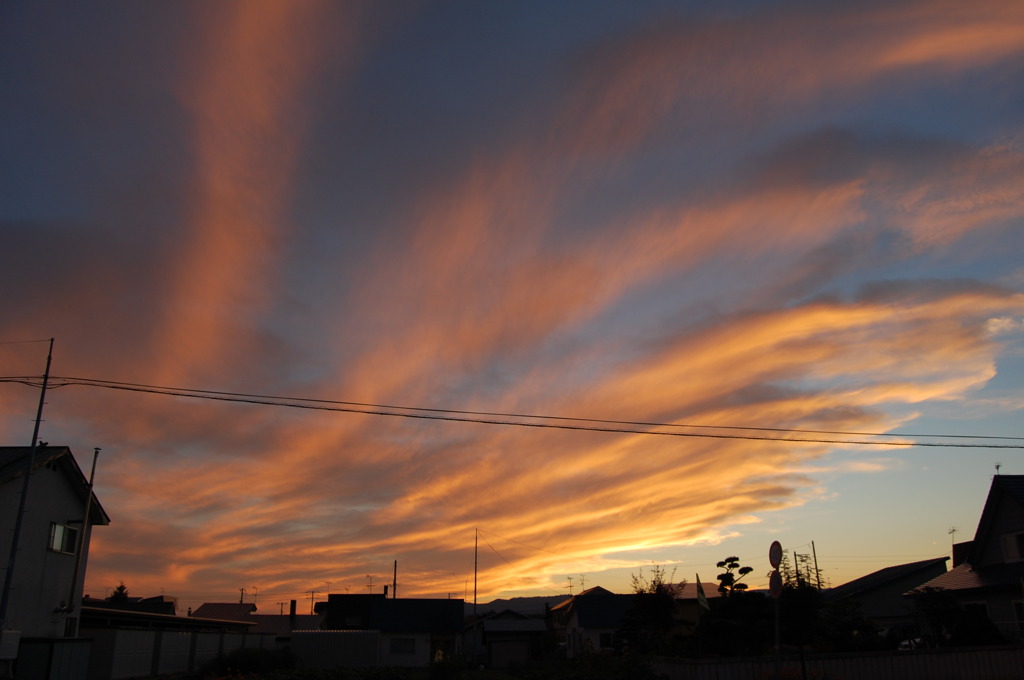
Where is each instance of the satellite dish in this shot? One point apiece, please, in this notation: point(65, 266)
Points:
point(775, 554)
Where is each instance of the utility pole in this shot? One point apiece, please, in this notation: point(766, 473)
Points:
point(72, 594)
point(5, 597)
point(241, 595)
point(476, 566)
point(817, 572)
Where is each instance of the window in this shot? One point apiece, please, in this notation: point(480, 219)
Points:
point(63, 539)
point(403, 645)
point(1013, 547)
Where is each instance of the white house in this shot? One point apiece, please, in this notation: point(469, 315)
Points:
point(43, 599)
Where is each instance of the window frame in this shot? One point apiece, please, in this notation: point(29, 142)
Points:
point(63, 539)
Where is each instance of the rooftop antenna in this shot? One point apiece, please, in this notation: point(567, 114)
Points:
point(281, 608)
point(570, 584)
point(998, 465)
point(952, 532)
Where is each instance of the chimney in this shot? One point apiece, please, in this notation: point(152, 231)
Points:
point(385, 591)
point(291, 609)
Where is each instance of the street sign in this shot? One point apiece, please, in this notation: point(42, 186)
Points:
point(775, 554)
point(775, 584)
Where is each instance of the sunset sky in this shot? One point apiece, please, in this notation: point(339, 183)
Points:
point(784, 215)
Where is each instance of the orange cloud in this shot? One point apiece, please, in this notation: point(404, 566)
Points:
point(249, 71)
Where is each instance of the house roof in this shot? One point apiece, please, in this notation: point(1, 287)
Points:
point(511, 621)
point(104, 617)
point(596, 591)
point(884, 577)
point(225, 611)
point(13, 460)
point(1003, 486)
point(160, 604)
point(966, 577)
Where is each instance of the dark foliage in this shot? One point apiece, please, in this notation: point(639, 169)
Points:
point(647, 627)
point(120, 593)
point(729, 580)
point(942, 622)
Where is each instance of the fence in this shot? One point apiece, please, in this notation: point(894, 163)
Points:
point(979, 663)
point(52, 659)
point(119, 653)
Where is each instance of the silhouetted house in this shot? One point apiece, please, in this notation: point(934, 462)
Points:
point(412, 632)
point(44, 598)
point(226, 611)
point(591, 620)
point(506, 638)
point(281, 626)
point(879, 596)
point(688, 610)
point(990, 579)
point(159, 604)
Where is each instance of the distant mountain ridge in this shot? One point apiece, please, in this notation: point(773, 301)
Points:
point(529, 606)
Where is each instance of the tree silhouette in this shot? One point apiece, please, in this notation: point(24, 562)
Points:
point(120, 593)
point(729, 580)
point(659, 582)
point(647, 627)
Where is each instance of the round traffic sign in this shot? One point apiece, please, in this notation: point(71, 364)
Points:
point(775, 554)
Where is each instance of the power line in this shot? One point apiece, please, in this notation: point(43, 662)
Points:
point(513, 567)
point(486, 418)
point(99, 383)
point(525, 545)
